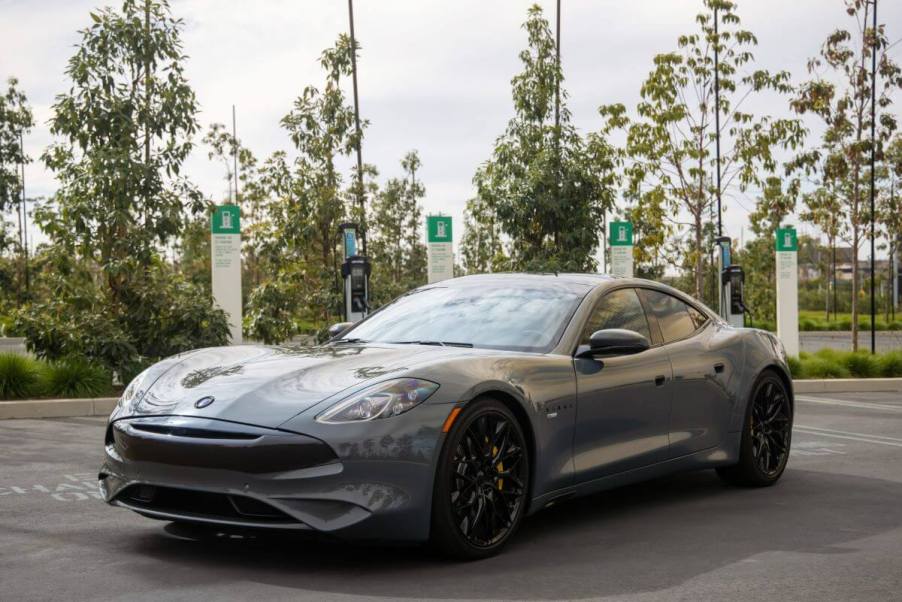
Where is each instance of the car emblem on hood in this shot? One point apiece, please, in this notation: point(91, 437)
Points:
point(204, 402)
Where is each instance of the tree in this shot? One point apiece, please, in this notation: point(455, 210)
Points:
point(824, 209)
point(482, 246)
point(306, 204)
point(550, 186)
point(844, 109)
point(124, 129)
point(671, 143)
point(396, 247)
point(16, 120)
point(126, 125)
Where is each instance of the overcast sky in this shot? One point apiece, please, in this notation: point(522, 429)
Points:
point(434, 75)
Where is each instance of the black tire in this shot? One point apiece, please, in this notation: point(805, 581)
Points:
point(766, 435)
point(478, 501)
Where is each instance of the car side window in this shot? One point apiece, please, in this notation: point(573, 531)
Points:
point(698, 318)
point(618, 309)
point(674, 317)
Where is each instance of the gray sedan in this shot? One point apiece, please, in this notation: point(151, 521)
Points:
point(452, 413)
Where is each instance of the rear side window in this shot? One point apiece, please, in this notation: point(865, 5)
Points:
point(617, 309)
point(698, 318)
point(673, 315)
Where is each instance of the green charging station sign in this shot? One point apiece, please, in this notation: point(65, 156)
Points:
point(226, 220)
point(620, 234)
point(438, 228)
point(786, 239)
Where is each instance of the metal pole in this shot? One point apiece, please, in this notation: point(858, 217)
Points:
point(557, 113)
point(360, 199)
point(24, 206)
point(717, 118)
point(873, 146)
point(235, 154)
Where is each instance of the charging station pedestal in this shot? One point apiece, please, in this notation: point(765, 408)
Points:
point(731, 306)
point(355, 270)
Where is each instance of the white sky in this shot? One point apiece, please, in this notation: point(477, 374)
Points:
point(433, 76)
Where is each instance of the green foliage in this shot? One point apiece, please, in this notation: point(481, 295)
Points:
point(396, 247)
point(795, 367)
point(861, 364)
point(832, 363)
point(15, 120)
point(670, 146)
point(19, 376)
point(818, 367)
point(75, 377)
point(890, 364)
point(548, 186)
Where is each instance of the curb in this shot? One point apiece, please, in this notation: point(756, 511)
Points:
point(848, 385)
point(57, 408)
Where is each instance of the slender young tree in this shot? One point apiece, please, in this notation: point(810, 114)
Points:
point(839, 94)
point(550, 185)
point(670, 144)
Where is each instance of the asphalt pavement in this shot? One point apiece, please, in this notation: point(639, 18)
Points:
point(830, 530)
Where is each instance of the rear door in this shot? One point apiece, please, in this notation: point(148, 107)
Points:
point(623, 403)
point(701, 404)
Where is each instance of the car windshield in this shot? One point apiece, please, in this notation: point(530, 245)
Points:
point(498, 317)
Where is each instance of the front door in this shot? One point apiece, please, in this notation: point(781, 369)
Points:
point(623, 403)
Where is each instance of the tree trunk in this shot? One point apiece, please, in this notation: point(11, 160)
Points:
point(855, 285)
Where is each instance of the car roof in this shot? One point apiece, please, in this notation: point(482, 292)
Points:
point(576, 281)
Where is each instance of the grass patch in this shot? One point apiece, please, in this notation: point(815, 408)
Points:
point(75, 377)
point(20, 376)
point(832, 363)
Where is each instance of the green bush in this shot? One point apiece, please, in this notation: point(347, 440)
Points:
point(19, 376)
point(819, 367)
point(75, 377)
point(890, 364)
point(861, 364)
point(795, 367)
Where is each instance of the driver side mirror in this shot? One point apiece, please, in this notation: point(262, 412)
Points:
point(614, 341)
point(337, 329)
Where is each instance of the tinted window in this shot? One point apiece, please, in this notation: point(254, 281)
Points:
point(698, 318)
point(672, 314)
point(617, 309)
point(510, 317)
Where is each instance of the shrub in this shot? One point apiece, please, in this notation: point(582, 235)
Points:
point(890, 364)
point(861, 364)
point(819, 367)
point(19, 376)
point(795, 366)
point(76, 377)
point(894, 325)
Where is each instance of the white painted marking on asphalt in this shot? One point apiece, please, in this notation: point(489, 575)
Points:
point(851, 404)
point(848, 437)
point(817, 428)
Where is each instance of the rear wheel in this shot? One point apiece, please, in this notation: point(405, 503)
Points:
point(482, 482)
point(766, 435)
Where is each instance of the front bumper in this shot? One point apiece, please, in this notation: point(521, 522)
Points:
point(368, 481)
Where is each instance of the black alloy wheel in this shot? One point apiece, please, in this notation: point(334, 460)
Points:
point(482, 486)
point(766, 435)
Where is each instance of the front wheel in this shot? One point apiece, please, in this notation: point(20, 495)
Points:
point(482, 482)
point(766, 435)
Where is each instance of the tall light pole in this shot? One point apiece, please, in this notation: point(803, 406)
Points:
point(717, 119)
point(235, 154)
point(360, 195)
point(873, 149)
point(557, 112)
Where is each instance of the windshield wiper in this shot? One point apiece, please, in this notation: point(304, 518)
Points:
point(351, 341)
point(438, 343)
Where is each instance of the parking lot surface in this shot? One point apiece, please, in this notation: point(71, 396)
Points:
point(831, 529)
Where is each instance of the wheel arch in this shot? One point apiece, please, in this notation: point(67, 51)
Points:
point(783, 374)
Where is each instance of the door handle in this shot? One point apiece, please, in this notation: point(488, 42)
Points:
point(660, 380)
point(718, 368)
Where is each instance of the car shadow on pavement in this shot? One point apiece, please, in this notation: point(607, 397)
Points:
point(642, 538)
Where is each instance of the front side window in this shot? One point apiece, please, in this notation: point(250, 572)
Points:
point(673, 315)
point(511, 317)
point(617, 309)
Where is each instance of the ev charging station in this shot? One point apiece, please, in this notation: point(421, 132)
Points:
point(730, 305)
point(355, 270)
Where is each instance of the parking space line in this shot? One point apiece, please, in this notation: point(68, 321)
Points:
point(817, 428)
point(852, 404)
point(848, 437)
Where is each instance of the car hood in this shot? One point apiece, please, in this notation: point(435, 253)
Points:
point(268, 385)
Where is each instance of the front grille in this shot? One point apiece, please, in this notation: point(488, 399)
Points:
point(201, 504)
point(196, 433)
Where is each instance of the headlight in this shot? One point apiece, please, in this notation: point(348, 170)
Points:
point(383, 400)
point(135, 389)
